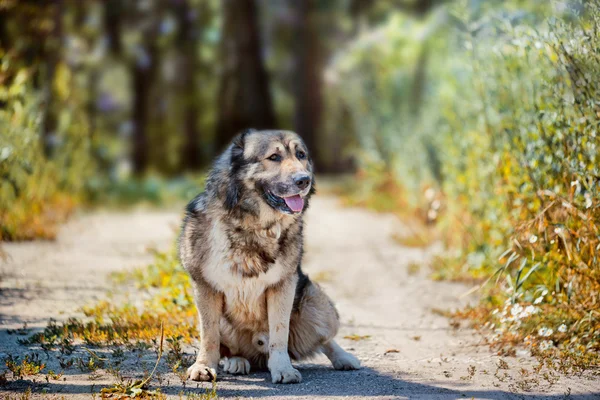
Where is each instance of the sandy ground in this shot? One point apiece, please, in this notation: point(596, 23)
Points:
point(408, 350)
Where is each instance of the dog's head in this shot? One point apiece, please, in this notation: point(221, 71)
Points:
point(270, 166)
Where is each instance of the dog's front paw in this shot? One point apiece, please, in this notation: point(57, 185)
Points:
point(286, 375)
point(235, 365)
point(282, 370)
point(346, 362)
point(201, 372)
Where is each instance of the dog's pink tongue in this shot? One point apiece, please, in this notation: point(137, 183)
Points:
point(295, 203)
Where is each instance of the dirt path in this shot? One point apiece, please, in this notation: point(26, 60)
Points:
point(408, 350)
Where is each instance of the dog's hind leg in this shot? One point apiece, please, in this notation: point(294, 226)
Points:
point(340, 358)
point(314, 325)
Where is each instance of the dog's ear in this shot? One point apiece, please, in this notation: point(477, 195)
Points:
point(234, 190)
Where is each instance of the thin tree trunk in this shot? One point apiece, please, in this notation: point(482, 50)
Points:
point(144, 71)
point(244, 96)
point(142, 78)
point(186, 42)
point(112, 25)
point(308, 78)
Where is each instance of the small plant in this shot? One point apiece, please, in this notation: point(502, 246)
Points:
point(53, 376)
point(138, 388)
point(470, 373)
point(29, 365)
point(89, 364)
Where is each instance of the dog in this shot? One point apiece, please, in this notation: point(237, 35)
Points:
point(242, 244)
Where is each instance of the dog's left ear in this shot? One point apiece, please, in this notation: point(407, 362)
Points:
point(234, 190)
point(239, 141)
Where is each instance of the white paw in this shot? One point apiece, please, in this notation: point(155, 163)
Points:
point(235, 365)
point(286, 375)
point(201, 372)
point(345, 362)
point(282, 370)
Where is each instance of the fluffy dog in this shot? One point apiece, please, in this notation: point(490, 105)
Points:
point(242, 244)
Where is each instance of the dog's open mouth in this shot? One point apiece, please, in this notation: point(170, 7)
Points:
point(290, 204)
point(295, 203)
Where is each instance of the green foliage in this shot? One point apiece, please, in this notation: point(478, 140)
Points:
point(381, 84)
point(153, 190)
point(29, 365)
point(509, 137)
point(32, 189)
point(66, 111)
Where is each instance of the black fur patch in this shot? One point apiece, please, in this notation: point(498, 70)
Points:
point(303, 283)
point(235, 187)
point(284, 241)
point(233, 194)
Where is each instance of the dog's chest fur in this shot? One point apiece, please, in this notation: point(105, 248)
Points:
point(242, 265)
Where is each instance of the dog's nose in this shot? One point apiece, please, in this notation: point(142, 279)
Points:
point(302, 181)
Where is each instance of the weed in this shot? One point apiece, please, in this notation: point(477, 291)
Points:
point(53, 376)
point(470, 373)
point(137, 388)
point(29, 365)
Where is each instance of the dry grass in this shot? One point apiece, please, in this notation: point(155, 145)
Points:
point(161, 325)
point(29, 219)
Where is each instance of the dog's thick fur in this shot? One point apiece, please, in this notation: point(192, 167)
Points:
point(242, 245)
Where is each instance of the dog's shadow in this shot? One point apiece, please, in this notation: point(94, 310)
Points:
point(324, 382)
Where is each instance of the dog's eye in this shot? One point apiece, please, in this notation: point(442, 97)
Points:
point(275, 157)
point(301, 155)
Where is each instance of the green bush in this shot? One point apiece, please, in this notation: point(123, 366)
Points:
point(38, 191)
point(508, 137)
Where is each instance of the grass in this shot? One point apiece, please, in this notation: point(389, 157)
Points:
point(114, 334)
point(28, 366)
point(29, 219)
point(558, 325)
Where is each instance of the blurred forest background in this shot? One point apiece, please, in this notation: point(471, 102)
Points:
point(478, 116)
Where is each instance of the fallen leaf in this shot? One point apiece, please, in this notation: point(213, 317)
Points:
point(357, 337)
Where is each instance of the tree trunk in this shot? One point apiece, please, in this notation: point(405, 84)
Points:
point(244, 96)
point(308, 78)
point(144, 71)
point(186, 42)
point(143, 75)
point(112, 25)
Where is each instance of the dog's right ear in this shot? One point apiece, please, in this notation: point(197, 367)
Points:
point(237, 161)
point(237, 149)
